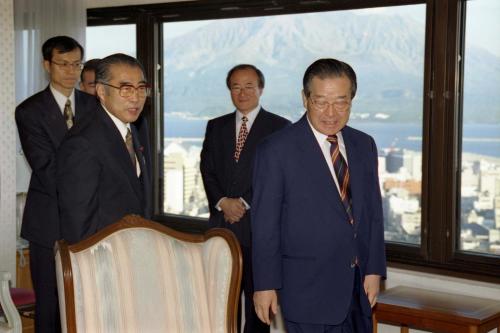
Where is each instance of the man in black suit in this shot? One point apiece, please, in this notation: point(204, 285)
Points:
point(226, 167)
point(42, 121)
point(104, 165)
point(87, 77)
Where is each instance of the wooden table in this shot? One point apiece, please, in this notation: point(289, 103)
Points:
point(436, 311)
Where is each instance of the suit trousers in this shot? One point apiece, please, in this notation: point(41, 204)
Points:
point(355, 322)
point(252, 322)
point(43, 276)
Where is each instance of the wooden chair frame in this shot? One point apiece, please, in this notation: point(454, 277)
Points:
point(135, 221)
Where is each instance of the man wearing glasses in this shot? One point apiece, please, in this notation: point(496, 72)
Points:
point(104, 164)
point(42, 121)
point(226, 167)
point(317, 225)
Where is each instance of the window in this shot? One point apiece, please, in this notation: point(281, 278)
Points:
point(104, 40)
point(480, 171)
point(428, 76)
point(385, 46)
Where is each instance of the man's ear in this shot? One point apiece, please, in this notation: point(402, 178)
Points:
point(101, 91)
point(46, 66)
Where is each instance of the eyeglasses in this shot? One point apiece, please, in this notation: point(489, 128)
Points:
point(127, 90)
point(340, 105)
point(68, 65)
point(236, 90)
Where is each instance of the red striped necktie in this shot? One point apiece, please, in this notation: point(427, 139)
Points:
point(342, 173)
point(242, 136)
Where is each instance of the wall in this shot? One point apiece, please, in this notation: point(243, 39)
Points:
point(7, 140)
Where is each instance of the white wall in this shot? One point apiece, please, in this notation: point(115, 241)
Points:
point(7, 140)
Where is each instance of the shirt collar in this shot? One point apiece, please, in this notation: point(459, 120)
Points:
point(250, 115)
point(61, 99)
point(122, 127)
point(321, 138)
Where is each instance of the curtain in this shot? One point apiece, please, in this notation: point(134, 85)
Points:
point(35, 21)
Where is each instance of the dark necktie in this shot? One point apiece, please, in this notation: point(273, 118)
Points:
point(242, 136)
point(130, 147)
point(342, 173)
point(68, 114)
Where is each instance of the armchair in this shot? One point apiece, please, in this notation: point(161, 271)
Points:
point(140, 276)
point(13, 319)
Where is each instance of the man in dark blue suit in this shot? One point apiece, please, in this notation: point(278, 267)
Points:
point(104, 164)
point(317, 225)
point(226, 166)
point(42, 121)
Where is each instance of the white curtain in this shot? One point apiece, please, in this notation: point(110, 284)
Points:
point(35, 21)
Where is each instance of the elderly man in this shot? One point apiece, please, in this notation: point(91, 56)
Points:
point(317, 226)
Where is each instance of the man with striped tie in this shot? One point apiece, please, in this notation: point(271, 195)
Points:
point(226, 167)
point(317, 225)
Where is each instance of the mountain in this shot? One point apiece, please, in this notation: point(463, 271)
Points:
point(387, 53)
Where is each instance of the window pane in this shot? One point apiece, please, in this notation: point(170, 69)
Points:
point(104, 40)
point(384, 45)
point(480, 182)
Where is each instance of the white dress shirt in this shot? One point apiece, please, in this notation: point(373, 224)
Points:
point(61, 99)
point(123, 128)
point(325, 149)
point(251, 118)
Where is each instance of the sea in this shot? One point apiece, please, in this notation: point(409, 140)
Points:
point(480, 139)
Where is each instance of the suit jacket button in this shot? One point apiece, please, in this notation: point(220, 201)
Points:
point(355, 235)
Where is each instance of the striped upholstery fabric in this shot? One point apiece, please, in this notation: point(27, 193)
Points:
point(141, 280)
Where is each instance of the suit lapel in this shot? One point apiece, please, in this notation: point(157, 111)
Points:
point(118, 152)
point(53, 117)
point(314, 162)
point(256, 133)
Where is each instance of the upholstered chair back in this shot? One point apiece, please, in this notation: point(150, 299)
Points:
point(140, 276)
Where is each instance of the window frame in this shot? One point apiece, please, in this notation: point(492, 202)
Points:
point(438, 251)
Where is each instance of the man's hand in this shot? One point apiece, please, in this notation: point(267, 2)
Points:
point(372, 287)
point(265, 301)
point(233, 209)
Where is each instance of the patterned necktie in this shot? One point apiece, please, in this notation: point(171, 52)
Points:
point(342, 173)
point(130, 147)
point(68, 114)
point(242, 136)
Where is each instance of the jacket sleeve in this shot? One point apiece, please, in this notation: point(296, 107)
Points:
point(376, 263)
point(38, 149)
point(267, 205)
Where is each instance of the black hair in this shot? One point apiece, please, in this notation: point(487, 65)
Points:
point(240, 67)
point(90, 65)
point(62, 44)
point(326, 68)
point(102, 72)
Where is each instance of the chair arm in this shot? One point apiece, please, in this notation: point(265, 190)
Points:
point(13, 324)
